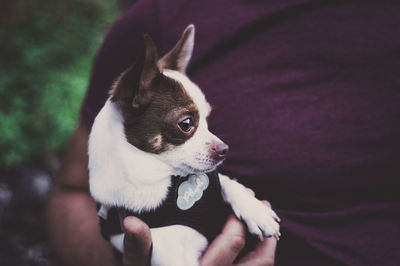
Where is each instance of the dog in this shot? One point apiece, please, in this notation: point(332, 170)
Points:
point(154, 127)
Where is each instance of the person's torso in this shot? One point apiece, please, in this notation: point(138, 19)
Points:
point(307, 96)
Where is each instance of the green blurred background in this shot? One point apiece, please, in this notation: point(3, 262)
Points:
point(47, 48)
point(46, 52)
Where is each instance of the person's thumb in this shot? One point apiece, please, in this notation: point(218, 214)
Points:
point(137, 242)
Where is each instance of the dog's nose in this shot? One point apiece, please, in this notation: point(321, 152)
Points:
point(220, 149)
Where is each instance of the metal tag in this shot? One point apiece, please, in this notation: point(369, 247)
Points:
point(190, 191)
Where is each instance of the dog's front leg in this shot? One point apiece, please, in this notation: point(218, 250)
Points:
point(260, 219)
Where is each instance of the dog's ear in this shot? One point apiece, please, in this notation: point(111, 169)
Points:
point(149, 73)
point(178, 58)
point(133, 85)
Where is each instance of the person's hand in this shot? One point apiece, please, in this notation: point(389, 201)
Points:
point(226, 247)
point(221, 252)
point(137, 242)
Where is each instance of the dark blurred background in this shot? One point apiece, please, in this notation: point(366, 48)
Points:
point(46, 52)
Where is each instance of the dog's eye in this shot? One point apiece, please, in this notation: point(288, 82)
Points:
point(186, 125)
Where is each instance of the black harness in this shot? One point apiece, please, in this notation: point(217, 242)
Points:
point(207, 215)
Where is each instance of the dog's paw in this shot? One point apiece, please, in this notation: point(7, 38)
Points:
point(260, 219)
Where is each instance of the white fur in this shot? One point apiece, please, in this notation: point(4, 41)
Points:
point(121, 174)
point(177, 245)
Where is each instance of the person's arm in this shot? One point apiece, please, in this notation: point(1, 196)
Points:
point(73, 228)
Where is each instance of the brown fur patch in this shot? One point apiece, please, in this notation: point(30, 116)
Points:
point(169, 105)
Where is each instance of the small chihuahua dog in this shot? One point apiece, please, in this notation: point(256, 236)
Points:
point(153, 127)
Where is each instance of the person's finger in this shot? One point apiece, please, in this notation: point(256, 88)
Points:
point(226, 246)
point(268, 248)
point(137, 242)
point(262, 255)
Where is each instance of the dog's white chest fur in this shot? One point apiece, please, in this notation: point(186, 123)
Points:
point(118, 170)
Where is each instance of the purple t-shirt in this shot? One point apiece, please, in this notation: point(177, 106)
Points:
point(307, 95)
